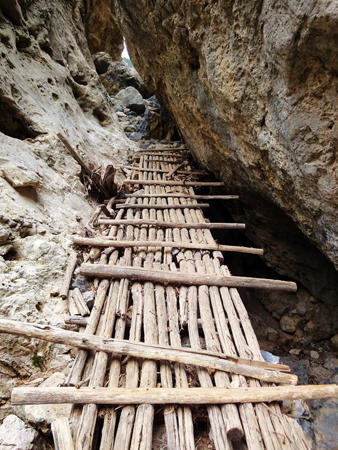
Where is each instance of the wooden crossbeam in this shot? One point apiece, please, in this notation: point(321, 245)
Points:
point(160, 158)
point(182, 195)
point(174, 183)
point(82, 322)
point(164, 276)
point(202, 358)
point(161, 223)
point(169, 149)
point(106, 242)
point(183, 172)
point(159, 396)
point(175, 169)
point(190, 206)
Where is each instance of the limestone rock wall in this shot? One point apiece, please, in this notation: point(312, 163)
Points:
point(253, 88)
point(48, 85)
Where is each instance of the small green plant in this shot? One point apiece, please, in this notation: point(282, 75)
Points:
point(37, 361)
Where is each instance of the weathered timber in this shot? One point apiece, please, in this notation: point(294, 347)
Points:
point(161, 396)
point(183, 195)
point(192, 206)
point(62, 435)
point(80, 302)
point(181, 172)
point(164, 159)
point(142, 350)
point(162, 223)
point(75, 155)
point(174, 183)
point(82, 322)
point(169, 150)
point(175, 169)
point(162, 276)
point(77, 320)
point(104, 242)
point(68, 275)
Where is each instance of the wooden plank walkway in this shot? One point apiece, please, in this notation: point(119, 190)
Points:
point(199, 317)
point(208, 319)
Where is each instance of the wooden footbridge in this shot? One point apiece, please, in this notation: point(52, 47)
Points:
point(168, 337)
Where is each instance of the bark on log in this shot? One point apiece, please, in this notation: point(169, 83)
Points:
point(127, 205)
point(174, 183)
point(62, 435)
point(68, 275)
point(182, 195)
point(146, 351)
point(160, 396)
point(160, 223)
point(104, 242)
point(183, 172)
point(162, 276)
point(168, 175)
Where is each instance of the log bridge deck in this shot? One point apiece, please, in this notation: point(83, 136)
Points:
point(154, 311)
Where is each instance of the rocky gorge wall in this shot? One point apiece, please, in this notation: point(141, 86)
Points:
point(48, 85)
point(253, 88)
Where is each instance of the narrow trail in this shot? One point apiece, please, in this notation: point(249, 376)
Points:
point(178, 295)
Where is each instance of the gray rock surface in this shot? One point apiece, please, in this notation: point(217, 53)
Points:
point(48, 85)
point(252, 88)
point(16, 435)
point(129, 98)
point(117, 75)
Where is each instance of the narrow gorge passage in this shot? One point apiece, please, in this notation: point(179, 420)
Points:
point(246, 92)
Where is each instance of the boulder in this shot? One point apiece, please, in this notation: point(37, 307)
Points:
point(129, 98)
point(117, 75)
point(16, 435)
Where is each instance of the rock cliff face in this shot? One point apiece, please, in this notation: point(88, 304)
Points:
point(48, 85)
point(253, 88)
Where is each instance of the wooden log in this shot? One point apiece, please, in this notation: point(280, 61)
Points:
point(72, 262)
point(247, 413)
point(62, 435)
point(162, 276)
point(80, 302)
point(85, 434)
point(82, 322)
point(174, 183)
point(224, 420)
point(75, 155)
point(164, 159)
point(234, 428)
point(155, 154)
point(167, 224)
point(77, 320)
point(161, 396)
point(126, 206)
point(120, 289)
point(175, 169)
point(144, 418)
point(164, 149)
point(80, 360)
point(183, 195)
point(145, 151)
point(104, 242)
point(147, 351)
point(182, 172)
